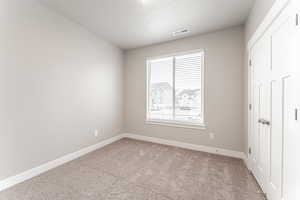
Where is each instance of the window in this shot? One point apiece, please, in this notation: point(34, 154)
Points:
point(175, 89)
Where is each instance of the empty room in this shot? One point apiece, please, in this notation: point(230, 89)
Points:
point(149, 100)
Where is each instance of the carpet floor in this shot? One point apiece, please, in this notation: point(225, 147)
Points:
point(136, 170)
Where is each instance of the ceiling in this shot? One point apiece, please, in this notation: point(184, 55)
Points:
point(135, 23)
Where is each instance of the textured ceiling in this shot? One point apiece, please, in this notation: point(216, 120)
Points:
point(135, 23)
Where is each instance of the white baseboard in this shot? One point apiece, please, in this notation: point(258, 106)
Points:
point(247, 162)
point(219, 151)
point(11, 181)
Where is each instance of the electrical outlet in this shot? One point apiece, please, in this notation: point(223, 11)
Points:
point(96, 133)
point(211, 136)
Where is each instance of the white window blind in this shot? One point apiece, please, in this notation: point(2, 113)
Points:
point(175, 90)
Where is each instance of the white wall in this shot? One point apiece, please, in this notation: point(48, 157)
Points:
point(224, 63)
point(58, 83)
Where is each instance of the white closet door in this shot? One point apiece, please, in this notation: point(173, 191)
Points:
point(261, 58)
point(291, 166)
point(281, 83)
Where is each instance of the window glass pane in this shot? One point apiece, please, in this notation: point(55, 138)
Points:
point(188, 105)
point(161, 89)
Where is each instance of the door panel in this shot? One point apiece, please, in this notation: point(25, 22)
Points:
point(291, 186)
point(276, 139)
point(264, 132)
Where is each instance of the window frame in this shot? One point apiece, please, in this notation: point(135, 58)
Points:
point(176, 123)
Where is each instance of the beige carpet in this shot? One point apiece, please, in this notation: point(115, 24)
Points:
point(135, 170)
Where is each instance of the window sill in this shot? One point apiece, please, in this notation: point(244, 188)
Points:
point(201, 126)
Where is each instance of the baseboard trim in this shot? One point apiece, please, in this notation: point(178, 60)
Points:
point(11, 181)
point(213, 150)
point(246, 161)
